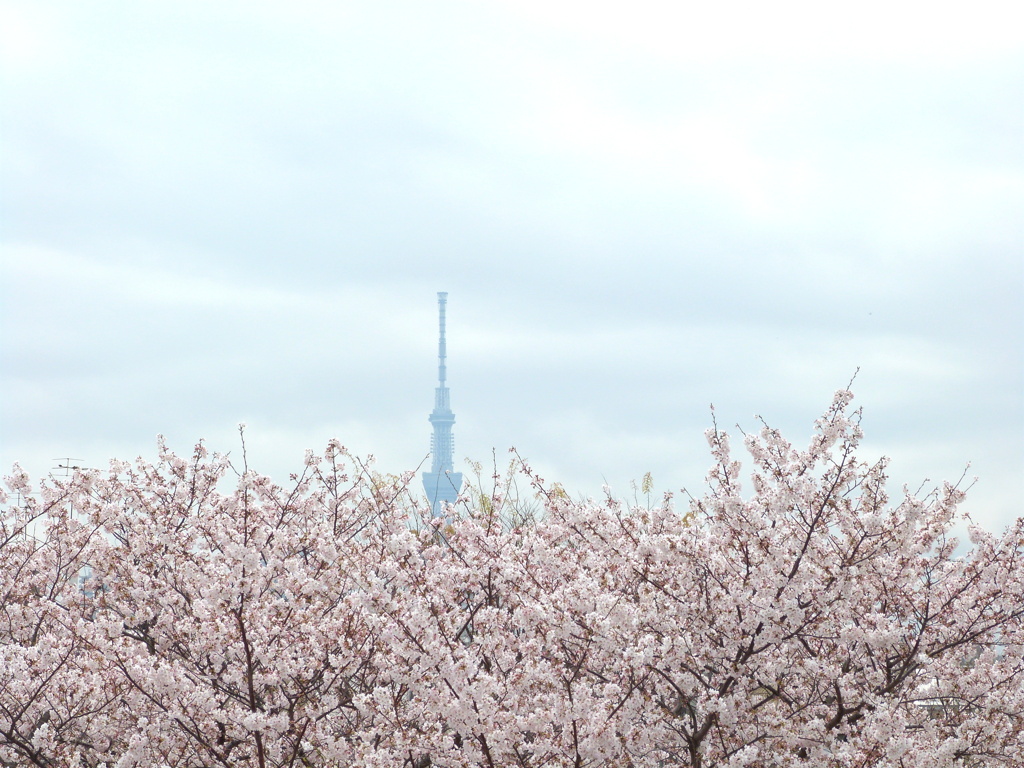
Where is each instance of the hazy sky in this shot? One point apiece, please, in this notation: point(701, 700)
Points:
point(216, 212)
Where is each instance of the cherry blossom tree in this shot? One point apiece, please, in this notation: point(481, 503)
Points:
point(238, 620)
point(56, 701)
point(811, 623)
point(184, 614)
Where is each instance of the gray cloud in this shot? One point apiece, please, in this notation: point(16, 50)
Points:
point(217, 213)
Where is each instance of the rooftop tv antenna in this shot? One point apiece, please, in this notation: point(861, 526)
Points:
point(67, 466)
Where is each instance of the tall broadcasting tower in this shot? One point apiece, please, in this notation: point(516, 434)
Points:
point(441, 483)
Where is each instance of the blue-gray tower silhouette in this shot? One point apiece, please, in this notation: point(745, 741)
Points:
point(441, 483)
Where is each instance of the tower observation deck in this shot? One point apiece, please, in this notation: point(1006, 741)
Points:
point(441, 483)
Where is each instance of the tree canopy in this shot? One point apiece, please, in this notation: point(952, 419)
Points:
point(152, 617)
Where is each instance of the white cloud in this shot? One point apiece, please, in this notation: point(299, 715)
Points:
point(793, 29)
point(225, 212)
point(31, 37)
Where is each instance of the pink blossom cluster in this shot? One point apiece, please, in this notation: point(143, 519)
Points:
point(152, 617)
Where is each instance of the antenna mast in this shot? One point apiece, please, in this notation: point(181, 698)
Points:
point(442, 302)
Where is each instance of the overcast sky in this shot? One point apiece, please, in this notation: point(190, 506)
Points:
point(223, 212)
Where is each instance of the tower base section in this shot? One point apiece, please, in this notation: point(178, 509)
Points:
point(442, 488)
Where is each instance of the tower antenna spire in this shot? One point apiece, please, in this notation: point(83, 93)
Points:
point(442, 302)
point(442, 483)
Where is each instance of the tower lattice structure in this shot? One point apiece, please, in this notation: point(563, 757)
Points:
point(442, 483)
